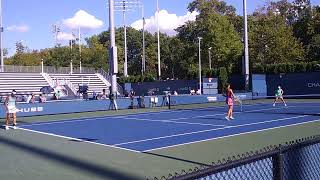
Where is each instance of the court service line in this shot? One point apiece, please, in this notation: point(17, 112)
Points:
point(232, 135)
point(212, 115)
point(184, 110)
point(76, 139)
point(174, 122)
point(215, 129)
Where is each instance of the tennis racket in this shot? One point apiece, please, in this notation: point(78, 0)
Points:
point(237, 98)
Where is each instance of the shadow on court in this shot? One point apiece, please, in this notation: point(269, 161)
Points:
point(96, 170)
point(177, 159)
point(18, 121)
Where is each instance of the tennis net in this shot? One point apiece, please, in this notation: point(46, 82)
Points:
point(294, 104)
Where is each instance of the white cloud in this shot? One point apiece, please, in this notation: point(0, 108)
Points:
point(167, 22)
point(62, 36)
point(18, 28)
point(84, 20)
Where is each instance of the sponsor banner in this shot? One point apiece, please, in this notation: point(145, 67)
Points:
point(158, 88)
point(210, 91)
point(212, 99)
point(294, 83)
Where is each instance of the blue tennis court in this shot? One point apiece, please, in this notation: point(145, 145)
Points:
point(150, 131)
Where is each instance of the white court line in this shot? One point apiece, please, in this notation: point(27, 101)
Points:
point(184, 110)
point(175, 122)
point(215, 129)
point(76, 139)
point(221, 137)
point(128, 116)
point(209, 115)
point(212, 115)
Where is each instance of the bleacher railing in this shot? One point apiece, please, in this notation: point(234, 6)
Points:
point(108, 77)
point(295, 160)
point(46, 69)
point(48, 79)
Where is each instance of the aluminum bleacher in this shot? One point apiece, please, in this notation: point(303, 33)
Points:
point(23, 83)
point(94, 81)
point(30, 79)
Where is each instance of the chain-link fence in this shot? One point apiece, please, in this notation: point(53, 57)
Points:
point(296, 160)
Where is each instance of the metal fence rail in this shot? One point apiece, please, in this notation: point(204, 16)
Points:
point(296, 160)
point(46, 69)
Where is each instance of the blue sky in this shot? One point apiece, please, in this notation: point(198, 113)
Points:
point(30, 21)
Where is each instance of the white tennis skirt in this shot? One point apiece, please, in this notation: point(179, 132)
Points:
point(11, 109)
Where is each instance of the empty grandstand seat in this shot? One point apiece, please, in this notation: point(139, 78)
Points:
point(23, 83)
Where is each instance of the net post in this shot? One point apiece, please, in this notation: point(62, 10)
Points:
point(169, 103)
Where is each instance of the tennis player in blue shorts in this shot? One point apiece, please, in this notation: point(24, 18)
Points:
point(279, 95)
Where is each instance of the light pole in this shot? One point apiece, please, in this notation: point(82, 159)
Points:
point(125, 71)
point(210, 64)
point(1, 32)
point(113, 50)
point(143, 42)
point(159, 65)
point(125, 6)
point(200, 87)
point(79, 36)
point(246, 47)
point(71, 67)
point(42, 66)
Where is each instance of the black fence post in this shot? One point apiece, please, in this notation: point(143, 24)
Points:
point(169, 103)
point(278, 166)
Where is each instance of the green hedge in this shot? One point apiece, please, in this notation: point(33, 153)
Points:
point(286, 67)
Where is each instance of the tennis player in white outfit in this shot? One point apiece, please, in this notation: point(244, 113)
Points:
point(11, 110)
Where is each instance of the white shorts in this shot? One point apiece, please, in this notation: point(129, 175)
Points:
point(11, 109)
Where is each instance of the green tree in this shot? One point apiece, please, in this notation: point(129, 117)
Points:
point(95, 54)
point(218, 32)
point(223, 79)
point(272, 40)
point(302, 26)
point(314, 48)
point(25, 59)
point(20, 48)
point(207, 6)
point(214, 26)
